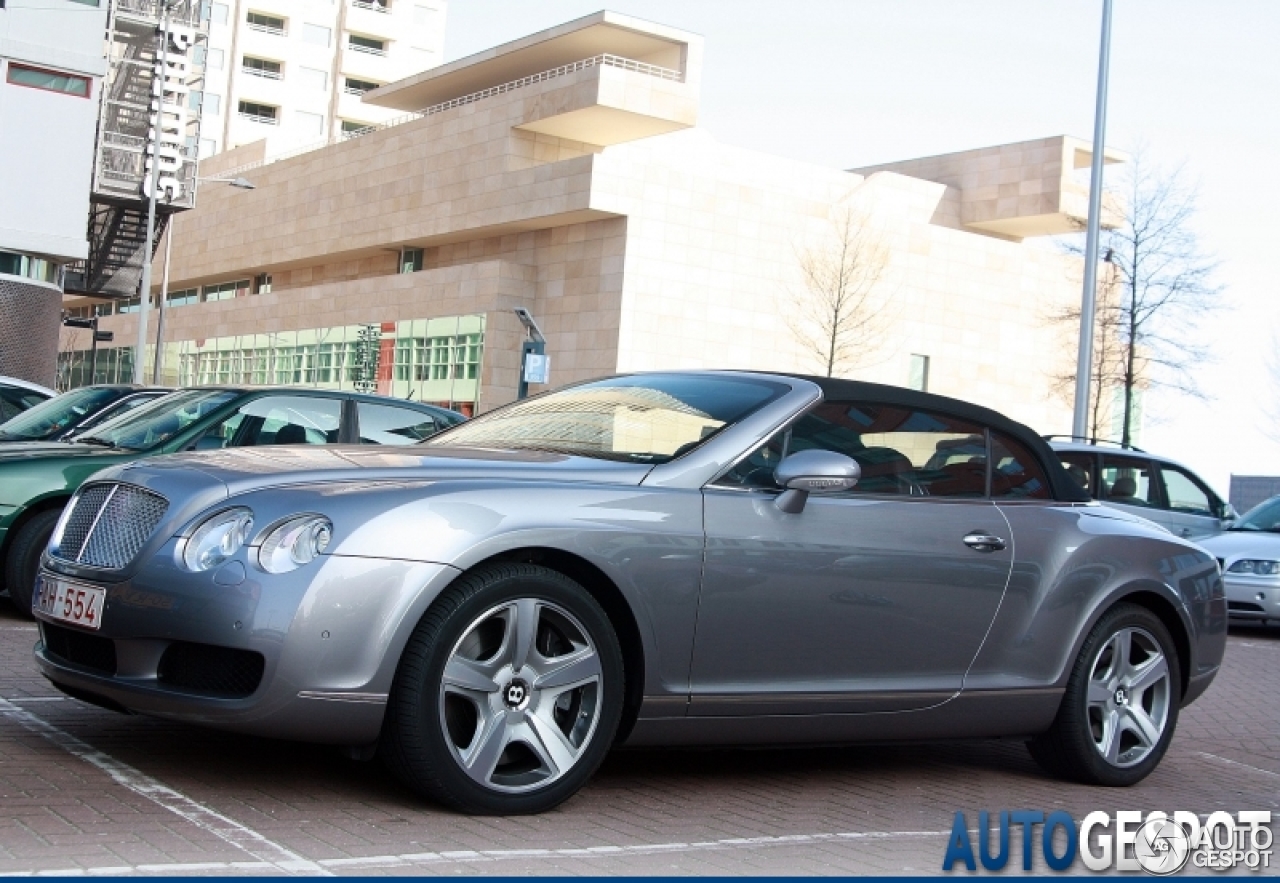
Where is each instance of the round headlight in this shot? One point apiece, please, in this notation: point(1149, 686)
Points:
point(294, 543)
point(216, 539)
point(1252, 565)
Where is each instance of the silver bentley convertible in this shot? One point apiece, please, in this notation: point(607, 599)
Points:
point(653, 559)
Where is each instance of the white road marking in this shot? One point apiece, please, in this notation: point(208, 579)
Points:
point(494, 855)
point(229, 830)
point(1239, 764)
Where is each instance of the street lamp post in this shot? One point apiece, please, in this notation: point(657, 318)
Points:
point(243, 184)
point(1084, 358)
point(144, 293)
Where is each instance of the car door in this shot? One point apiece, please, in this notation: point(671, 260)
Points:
point(1192, 509)
point(868, 600)
point(1129, 483)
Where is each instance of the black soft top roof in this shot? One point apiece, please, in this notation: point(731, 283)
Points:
point(1060, 483)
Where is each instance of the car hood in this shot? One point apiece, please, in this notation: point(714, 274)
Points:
point(248, 469)
point(26, 450)
point(1234, 544)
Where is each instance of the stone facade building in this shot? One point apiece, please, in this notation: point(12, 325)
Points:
point(565, 173)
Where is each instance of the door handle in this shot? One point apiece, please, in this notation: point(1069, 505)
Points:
point(1185, 532)
point(983, 542)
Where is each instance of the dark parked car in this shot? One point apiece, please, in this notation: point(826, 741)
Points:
point(17, 396)
point(655, 559)
point(75, 411)
point(37, 478)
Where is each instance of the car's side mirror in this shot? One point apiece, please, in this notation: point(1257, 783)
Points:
point(813, 472)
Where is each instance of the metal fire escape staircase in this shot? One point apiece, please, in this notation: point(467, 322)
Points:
point(118, 245)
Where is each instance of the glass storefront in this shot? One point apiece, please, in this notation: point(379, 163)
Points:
point(429, 360)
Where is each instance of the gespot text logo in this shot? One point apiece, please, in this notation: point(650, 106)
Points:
point(1158, 843)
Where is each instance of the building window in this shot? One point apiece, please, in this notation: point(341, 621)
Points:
point(226, 290)
point(211, 104)
point(260, 67)
point(183, 297)
point(918, 376)
point(208, 147)
point(374, 5)
point(311, 78)
point(358, 87)
point(268, 24)
point(12, 264)
point(410, 260)
point(353, 129)
point(215, 59)
point(309, 123)
point(220, 13)
point(193, 99)
point(259, 113)
point(50, 81)
point(316, 35)
point(262, 283)
point(367, 44)
point(127, 306)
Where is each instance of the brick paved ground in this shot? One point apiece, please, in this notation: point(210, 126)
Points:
point(85, 788)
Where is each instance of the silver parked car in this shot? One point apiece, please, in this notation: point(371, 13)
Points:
point(654, 559)
point(1249, 554)
point(1147, 485)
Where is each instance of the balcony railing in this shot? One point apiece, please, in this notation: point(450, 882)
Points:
point(258, 118)
point(266, 29)
point(370, 5)
point(628, 64)
point(260, 72)
point(369, 50)
point(351, 91)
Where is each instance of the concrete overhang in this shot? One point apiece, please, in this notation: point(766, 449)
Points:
point(603, 33)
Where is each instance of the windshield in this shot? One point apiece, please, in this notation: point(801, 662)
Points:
point(648, 418)
point(156, 422)
point(59, 413)
point(1264, 516)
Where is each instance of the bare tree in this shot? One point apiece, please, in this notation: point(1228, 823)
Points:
point(1106, 376)
point(838, 312)
point(1164, 287)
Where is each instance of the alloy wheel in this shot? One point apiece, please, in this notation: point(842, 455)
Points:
point(1128, 697)
point(521, 695)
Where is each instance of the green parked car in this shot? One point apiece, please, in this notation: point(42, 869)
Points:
point(37, 478)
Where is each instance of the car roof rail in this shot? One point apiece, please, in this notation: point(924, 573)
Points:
point(1094, 441)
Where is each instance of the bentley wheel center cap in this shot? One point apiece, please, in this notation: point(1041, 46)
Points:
point(516, 694)
point(1122, 696)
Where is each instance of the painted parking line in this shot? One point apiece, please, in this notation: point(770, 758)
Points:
point(1246, 766)
point(497, 855)
point(240, 836)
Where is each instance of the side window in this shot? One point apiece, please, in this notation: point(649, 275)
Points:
point(1080, 468)
point(389, 425)
point(277, 420)
point(1184, 493)
point(1015, 470)
point(900, 451)
point(1127, 481)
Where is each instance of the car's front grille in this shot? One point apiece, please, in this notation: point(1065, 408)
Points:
point(108, 525)
point(87, 651)
point(224, 672)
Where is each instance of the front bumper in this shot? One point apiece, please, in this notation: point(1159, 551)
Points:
point(1252, 598)
point(308, 655)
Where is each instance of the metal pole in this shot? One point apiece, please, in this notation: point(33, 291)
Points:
point(164, 298)
point(93, 350)
point(144, 294)
point(1084, 359)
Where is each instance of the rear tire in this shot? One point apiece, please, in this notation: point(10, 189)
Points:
point(508, 695)
point(23, 561)
point(1120, 708)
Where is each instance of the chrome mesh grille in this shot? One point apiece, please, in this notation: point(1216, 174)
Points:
point(109, 525)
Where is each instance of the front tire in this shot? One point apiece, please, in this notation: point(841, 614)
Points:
point(508, 694)
point(1120, 707)
point(23, 561)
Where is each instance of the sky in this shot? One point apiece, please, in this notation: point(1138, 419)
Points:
point(848, 83)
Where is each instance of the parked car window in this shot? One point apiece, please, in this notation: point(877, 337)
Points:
point(114, 410)
point(1080, 467)
point(14, 401)
point(1016, 472)
point(53, 415)
point(1184, 494)
point(277, 420)
point(156, 422)
point(649, 418)
point(900, 451)
point(389, 425)
point(1264, 516)
point(1128, 481)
